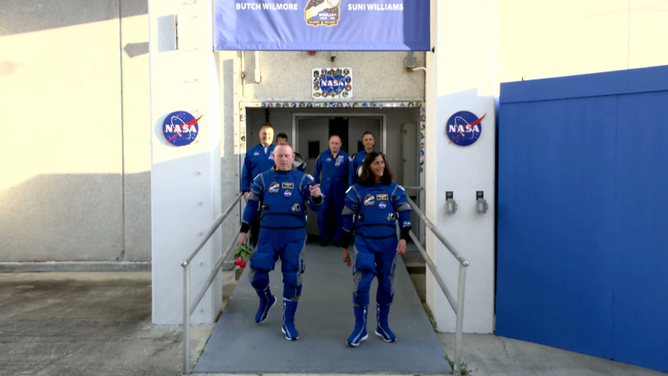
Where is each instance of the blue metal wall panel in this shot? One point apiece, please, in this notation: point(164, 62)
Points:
point(582, 223)
point(557, 229)
point(641, 80)
point(641, 234)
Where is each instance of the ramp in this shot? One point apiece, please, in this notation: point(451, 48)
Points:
point(324, 320)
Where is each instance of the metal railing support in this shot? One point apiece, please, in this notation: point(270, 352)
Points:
point(212, 276)
point(418, 199)
point(460, 318)
point(186, 317)
point(437, 276)
point(189, 308)
point(456, 305)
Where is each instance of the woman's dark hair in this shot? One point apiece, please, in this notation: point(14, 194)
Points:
point(367, 177)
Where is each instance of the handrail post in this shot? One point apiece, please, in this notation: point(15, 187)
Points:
point(186, 317)
point(460, 318)
point(457, 306)
point(186, 283)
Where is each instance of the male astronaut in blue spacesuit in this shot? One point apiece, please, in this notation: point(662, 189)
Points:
point(333, 163)
point(377, 204)
point(299, 163)
point(283, 193)
point(259, 158)
point(369, 141)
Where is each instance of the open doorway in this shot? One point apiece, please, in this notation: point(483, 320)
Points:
point(395, 130)
point(312, 135)
point(313, 131)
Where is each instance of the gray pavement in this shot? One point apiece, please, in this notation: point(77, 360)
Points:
point(100, 324)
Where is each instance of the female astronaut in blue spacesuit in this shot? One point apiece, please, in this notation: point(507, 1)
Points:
point(376, 204)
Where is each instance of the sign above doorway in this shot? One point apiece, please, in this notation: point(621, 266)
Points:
point(332, 84)
point(321, 25)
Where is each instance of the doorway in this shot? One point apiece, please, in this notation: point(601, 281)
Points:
point(312, 136)
point(396, 131)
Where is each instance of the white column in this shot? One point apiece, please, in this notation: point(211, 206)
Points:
point(460, 77)
point(185, 180)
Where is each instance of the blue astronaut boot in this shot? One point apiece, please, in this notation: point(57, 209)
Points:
point(266, 302)
point(359, 333)
point(289, 309)
point(383, 328)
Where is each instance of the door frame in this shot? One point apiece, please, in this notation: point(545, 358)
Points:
point(295, 123)
point(240, 126)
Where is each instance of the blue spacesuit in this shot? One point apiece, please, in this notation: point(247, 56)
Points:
point(376, 209)
point(257, 160)
point(355, 162)
point(283, 196)
point(333, 185)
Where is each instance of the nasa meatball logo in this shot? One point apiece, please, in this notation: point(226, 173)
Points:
point(382, 205)
point(464, 128)
point(180, 128)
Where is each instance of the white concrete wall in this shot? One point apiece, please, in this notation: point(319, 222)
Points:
point(288, 75)
point(462, 170)
point(186, 180)
point(539, 39)
point(136, 134)
point(76, 164)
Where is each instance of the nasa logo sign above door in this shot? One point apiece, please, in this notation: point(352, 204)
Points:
point(464, 128)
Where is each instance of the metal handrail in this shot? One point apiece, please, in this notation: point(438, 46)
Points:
point(189, 308)
point(419, 200)
point(457, 305)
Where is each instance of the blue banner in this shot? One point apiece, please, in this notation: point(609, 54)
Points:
point(322, 25)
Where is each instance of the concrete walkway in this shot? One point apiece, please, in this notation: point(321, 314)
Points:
point(324, 320)
point(100, 324)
